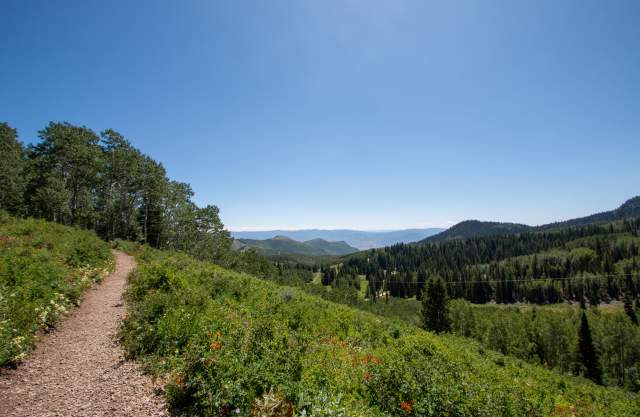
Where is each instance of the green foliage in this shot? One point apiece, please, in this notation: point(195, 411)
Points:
point(65, 168)
point(281, 245)
point(226, 342)
point(549, 335)
point(74, 176)
point(587, 355)
point(435, 314)
point(597, 262)
point(474, 228)
point(12, 170)
point(44, 268)
point(629, 309)
point(126, 246)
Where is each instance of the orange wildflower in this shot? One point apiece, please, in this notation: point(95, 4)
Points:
point(180, 382)
point(406, 406)
point(563, 410)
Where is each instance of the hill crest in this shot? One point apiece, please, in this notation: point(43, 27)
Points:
point(284, 245)
point(477, 228)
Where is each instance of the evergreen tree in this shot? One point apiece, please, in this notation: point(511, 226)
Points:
point(628, 308)
point(435, 312)
point(326, 276)
point(588, 361)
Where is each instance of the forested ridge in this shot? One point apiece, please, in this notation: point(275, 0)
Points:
point(599, 262)
point(477, 228)
point(282, 245)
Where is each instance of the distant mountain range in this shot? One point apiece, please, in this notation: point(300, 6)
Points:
point(476, 228)
point(355, 238)
point(282, 245)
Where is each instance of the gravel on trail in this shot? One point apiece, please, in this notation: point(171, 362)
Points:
point(79, 369)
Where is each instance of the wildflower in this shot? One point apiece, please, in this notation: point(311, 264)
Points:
point(563, 410)
point(406, 406)
point(180, 382)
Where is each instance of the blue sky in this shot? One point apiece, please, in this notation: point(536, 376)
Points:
point(356, 113)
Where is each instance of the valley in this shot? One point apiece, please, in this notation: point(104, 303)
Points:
point(484, 318)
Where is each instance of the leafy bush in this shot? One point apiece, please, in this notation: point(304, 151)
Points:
point(44, 267)
point(126, 246)
point(548, 335)
point(230, 344)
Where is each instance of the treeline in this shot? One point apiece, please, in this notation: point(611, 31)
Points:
point(75, 176)
point(599, 263)
point(549, 336)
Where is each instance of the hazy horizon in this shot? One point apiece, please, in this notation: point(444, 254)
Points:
point(271, 229)
point(429, 226)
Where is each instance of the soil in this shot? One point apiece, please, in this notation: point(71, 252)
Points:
point(80, 368)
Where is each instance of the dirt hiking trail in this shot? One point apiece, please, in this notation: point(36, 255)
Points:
point(79, 369)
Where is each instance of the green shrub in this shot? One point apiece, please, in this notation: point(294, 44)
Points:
point(227, 343)
point(126, 246)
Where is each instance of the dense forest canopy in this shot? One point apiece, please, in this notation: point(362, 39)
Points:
point(75, 176)
point(599, 262)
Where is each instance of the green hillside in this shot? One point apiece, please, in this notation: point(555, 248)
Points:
point(44, 268)
point(331, 248)
point(630, 209)
point(475, 228)
point(587, 265)
point(281, 245)
point(596, 262)
point(228, 343)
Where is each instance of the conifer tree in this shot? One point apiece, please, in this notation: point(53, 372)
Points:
point(588, 361)
point(435, 312)
point(628, 308)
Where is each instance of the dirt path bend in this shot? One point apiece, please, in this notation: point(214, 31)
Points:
point(79, 369)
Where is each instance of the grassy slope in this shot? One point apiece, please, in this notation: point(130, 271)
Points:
point(44, 267)
point(223, 339)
